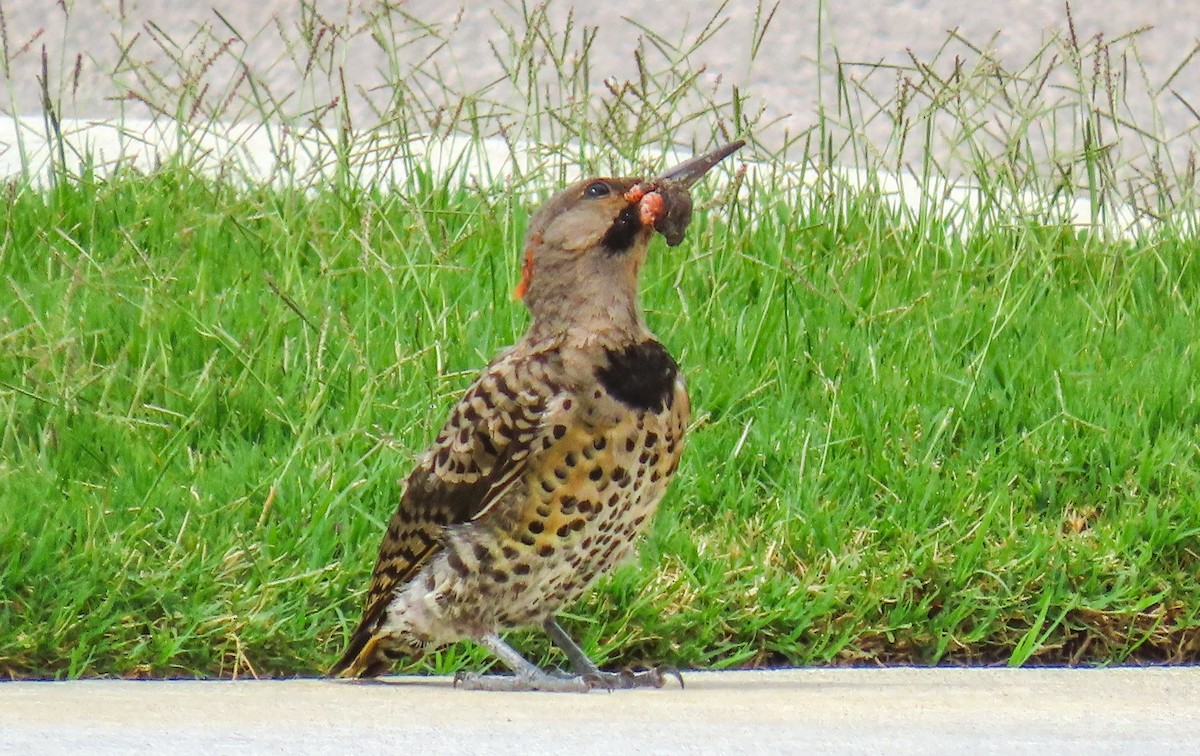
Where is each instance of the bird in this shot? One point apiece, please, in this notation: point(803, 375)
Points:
point(555, 458)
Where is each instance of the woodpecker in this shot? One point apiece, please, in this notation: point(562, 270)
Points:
point(554, 460)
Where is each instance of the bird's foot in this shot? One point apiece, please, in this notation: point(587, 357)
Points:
point(627, 678)
point(587, 669)
point(540, 681)
point(531, 677)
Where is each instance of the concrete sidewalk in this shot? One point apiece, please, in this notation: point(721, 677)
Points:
point(886, 711)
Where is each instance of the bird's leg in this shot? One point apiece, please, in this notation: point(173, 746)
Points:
point(587, 669)
point(579, 660)
point(526, 676)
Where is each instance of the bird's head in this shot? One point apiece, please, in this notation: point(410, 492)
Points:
point(586, 245)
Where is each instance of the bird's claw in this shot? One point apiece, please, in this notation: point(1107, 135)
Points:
point(626, 679)
point(671, 672)
point(513, 683)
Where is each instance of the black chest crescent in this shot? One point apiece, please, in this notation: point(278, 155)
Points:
point(641, 375)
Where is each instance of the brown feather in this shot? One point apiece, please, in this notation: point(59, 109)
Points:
point(476, 456)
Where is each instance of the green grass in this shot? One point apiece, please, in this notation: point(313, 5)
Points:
point(907, 447)
point(911, 443)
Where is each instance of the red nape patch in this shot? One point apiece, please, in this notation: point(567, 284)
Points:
point(526, 269)
point(652, 208)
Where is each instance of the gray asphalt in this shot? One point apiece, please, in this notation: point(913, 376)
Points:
point(818, 711)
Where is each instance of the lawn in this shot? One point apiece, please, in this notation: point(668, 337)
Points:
point(912, 443)
point(907, 447)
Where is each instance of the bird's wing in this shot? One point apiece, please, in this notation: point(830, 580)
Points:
point(479, 453)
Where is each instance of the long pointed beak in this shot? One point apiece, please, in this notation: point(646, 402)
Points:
point(688, 172)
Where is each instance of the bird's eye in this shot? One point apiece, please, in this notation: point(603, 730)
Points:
point(597, 189)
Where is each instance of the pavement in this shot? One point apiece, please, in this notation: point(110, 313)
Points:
point(813, 711)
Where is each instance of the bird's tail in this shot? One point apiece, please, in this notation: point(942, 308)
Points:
point(368, 653)
point(364, 657)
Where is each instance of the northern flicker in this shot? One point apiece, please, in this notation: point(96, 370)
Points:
point(554, 460)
